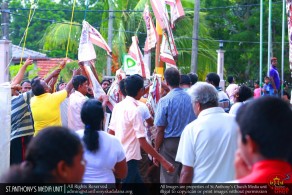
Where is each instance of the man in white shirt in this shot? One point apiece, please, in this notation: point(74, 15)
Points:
point(76, 101)
point(208, 144)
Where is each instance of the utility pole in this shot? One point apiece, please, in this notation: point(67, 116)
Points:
point(194, 61)
point(5, 44)
point(220, 65)
point(110, 38)
point(269, 38)
point(5, 91)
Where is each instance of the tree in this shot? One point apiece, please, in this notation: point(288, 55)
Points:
point(126, 24)
point(19, 20)
point(237, 22)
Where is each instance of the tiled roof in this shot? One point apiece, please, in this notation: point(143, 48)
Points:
point(45, 65)
point(17, 53)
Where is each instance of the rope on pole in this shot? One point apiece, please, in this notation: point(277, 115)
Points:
point(72, 16)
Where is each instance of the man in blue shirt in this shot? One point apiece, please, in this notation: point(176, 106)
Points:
point(274, 75)
point(174, 111)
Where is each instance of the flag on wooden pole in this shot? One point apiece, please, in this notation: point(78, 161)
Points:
point(176, 11)
point(152, 35)
point(136, 54)
point(159, 9)
point(86, 50)
point(91, 35)
point(154, 92)
point(165, 51)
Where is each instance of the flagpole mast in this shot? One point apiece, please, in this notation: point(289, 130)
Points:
point(269, 37)
point(158, 62)
point(261, 43)
point(110, 37)
point(283, 39)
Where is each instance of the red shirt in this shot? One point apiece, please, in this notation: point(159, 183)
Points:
point(267, 170)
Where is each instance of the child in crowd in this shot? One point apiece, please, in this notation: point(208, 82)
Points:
point(257, 90)
point(267, 88)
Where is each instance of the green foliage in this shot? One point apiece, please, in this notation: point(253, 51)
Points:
point(66, 73)
point(56, 36)
point(238, 22)
point(31, 70)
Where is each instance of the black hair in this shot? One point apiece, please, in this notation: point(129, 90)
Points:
point(172, 77)
point(78, 80)
point(287, 94)
point(266, 77)
point(58, 86)
point(105, 80)
point(36, 87)
point(213, 78)
point(25, 81)
point(230, 79)
point(268, 121)
point(185, 79)
point(193, 77)
point(244, 93)
point(257, 82)
point(44, 152)
point(122, 87)
point(92, 116)
point(133, 84)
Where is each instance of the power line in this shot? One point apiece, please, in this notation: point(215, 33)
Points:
point(236, 6)
point(141, 33)
point(54, 21)
point(141, 11)
point(69, 10)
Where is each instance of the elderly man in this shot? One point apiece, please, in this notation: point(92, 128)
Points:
point(207, 145)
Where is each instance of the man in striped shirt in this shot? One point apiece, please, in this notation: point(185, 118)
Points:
point(21, 126)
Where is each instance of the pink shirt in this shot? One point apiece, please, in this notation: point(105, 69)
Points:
point(128, 126)
point(230, 90)
point(257, 92)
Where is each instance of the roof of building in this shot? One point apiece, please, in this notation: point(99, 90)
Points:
point(46, 65)
point(17, 53)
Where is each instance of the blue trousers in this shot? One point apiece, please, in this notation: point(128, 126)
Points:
point(133, 172)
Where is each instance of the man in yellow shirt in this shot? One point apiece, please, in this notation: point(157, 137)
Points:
point(45, 106)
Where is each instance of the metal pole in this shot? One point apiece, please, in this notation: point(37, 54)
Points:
point(283, 39)
point(261, 43)
point(5, 21)
point(5, 44)
point(110, 37)
point(194, 60)
point(269, 37)
point(220, 65)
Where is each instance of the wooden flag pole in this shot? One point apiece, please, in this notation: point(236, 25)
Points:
point(158, 63)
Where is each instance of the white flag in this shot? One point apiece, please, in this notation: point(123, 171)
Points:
point(90, 36)
point(176, 10)
point(152, 35)
point(136, 54)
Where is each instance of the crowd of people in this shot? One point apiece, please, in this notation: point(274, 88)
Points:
point(198, 132)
